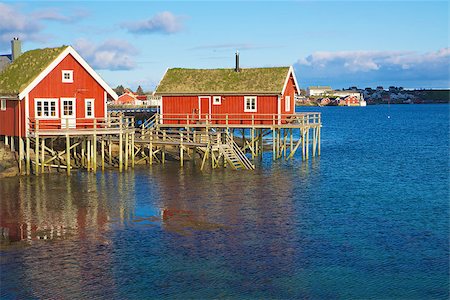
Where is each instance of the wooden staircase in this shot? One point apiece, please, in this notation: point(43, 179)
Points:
point(234, 155)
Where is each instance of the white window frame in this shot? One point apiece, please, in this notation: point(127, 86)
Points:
point(64, 79)
point(217, 100)
point(3, 104)
point(287, 103)
point(92, 101)
point(42, 101)
point(247, 99)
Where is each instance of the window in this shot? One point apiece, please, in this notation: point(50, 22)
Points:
point(217, 100)
point(67, 76)
point(287, 106)
point(46, 108)
point(250, 103)
point(3, 104)
point(89, 108)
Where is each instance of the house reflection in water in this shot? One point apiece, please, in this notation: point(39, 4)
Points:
point(249, 223)
point(32, 209)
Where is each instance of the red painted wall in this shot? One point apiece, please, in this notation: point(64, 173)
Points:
point(84, 86)
point(289, 91)
point(9, 119)
point(183, 109)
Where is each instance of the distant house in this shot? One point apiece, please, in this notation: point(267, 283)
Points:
point(54, 86)
point(318, 90)
point(349, 101)
point(128, 97)
point(266, 95)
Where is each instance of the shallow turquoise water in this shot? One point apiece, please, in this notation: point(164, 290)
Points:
point(367, 219)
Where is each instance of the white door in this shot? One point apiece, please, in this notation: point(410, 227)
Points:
point(68, 113)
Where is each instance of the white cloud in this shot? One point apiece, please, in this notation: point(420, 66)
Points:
point(29, 27)
point(163, 22)
point(16, 24)
point(372, 66)
point(111, 55)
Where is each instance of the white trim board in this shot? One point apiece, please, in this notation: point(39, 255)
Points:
point(54, 63)
point(291, 71)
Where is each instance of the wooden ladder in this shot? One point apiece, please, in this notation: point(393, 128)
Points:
point(234, 155)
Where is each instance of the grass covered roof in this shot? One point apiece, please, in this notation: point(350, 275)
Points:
point(18, 75)
point(198, 81)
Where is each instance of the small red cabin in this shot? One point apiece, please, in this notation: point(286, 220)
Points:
point(55, 86)
point(228, 96)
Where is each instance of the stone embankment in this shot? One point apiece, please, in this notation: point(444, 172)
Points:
point(8, 162)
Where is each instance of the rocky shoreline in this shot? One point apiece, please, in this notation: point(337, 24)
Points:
point(9, 166)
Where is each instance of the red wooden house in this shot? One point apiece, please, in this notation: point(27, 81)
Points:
point(228, 96)
point(55, 86)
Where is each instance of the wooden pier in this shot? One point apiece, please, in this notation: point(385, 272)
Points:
point(216, 140)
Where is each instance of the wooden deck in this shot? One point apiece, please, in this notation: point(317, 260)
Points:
point(229, 140)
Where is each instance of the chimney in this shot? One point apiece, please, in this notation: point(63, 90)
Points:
point(16, 48)
point(237, 69)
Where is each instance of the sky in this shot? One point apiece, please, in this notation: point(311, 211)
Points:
point(335, 43)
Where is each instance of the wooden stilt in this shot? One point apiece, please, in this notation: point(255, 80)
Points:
point(36, 154)
point(94, 153)
point(303, 144)
point(164, 148)
point(68, 154)
point(27, 161)
point(89, 154)
point(120, 151)
point(318, 140)
point(150, 148)
point(133, 153)
point(110, 151)
point(83, 152)
point(181, 149)
point(21, 156)
point(307, 143)
point(42, 155)
point(274, 145)
point(126, 150)
point(103, 152)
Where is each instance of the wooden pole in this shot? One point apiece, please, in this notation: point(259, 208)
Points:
point(318, 140)
point(28, 165)
point(88, 154)
point(273, 143)
point(314, 141)
point(94, 153)
point(307, 143)
point(126, 150)
point(164, 148)
point(68, 154)
point(103, 152)
point(83, 152)
point(150, 148)
point(303, 144)
point(120, 150)
point(181, 149)
point(110, 150)
point(133, 149)
point(20, 154)
point(36, 153)
point(42, 154)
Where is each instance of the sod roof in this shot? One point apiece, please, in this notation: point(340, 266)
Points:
point(210, 81)
point(18, 75)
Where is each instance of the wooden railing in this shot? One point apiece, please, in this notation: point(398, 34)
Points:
point(242, 118)
point(81, 124)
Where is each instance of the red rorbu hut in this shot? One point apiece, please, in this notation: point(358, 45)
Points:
point(55, 86)
point(228, 96)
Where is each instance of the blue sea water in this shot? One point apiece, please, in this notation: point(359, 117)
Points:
point(368, 219)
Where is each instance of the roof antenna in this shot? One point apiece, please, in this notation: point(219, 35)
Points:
point(237, 69)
